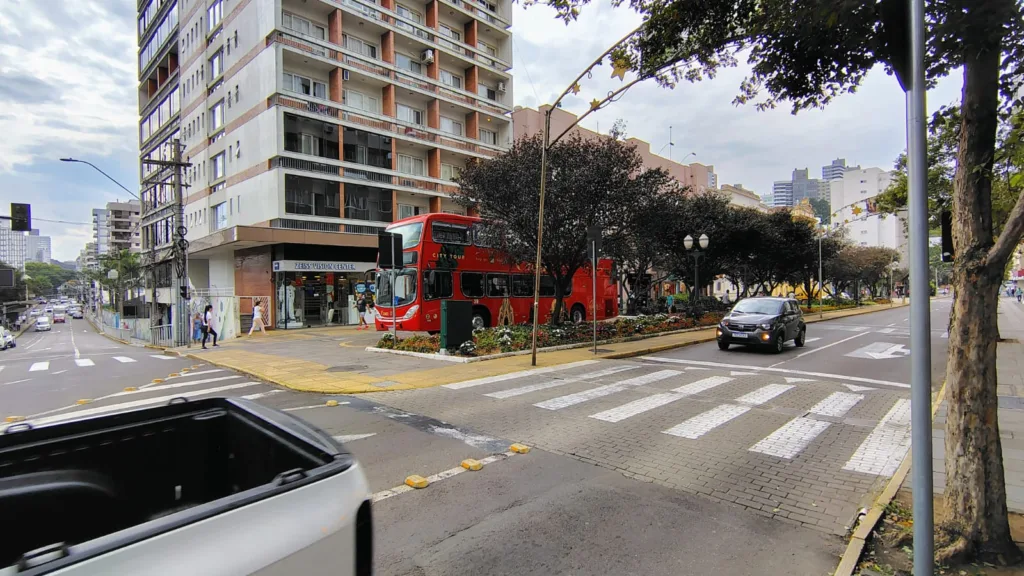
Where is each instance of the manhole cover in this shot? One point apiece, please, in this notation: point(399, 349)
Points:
point(347, 368)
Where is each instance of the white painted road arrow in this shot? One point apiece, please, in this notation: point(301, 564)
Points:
point(880, 351)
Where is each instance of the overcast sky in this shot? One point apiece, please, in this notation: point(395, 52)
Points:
point(67, 89)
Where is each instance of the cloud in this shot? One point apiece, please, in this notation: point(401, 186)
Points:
point(745, 146)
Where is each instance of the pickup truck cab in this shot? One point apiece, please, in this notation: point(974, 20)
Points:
point(214, 487)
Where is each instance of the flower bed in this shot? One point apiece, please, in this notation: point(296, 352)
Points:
point(487, 341)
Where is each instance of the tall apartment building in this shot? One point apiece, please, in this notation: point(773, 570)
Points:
point(798, 188)
point(12, 246)
point(310, 125)
point(87, 257)
point(853, 209)
point(528, 122)
point(782, 193)
point(836, 169)
point(123, 228)
point(100, 231)
point(37, 247)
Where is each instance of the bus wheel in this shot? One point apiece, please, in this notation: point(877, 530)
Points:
point(579, 314)
point(481, 317)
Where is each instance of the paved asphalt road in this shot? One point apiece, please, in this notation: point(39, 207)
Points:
point(612, 494)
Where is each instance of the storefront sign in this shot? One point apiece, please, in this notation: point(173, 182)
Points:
point(321, 266)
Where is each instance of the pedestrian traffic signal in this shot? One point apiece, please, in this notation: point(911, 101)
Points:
point(184, 292)
point(21, 217)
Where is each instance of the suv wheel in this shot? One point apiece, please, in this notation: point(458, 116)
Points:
point(799, 341)
point(779, 343)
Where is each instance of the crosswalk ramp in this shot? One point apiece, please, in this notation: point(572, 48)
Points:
point(765, 415)
point(67, 363)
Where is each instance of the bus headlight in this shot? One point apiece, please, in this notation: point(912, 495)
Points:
point(410, 312)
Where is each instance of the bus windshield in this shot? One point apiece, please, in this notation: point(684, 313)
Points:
point(410, 234)
point(405, 287)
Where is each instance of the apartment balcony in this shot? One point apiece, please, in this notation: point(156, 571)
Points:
point(359, 174)
point(464, 11)
point(385, 124)
point(376, 70)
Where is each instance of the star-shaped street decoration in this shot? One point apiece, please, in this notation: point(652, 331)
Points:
point(857, 210)
point(595, 104)
point(619, 68)
point(575, 88)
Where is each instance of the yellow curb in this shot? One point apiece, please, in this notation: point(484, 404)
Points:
point(157, 380)
point(13, 419)
point(332, 402)
point(83, 401)
point(850, 558)
point(471, 464)
point(519, 448)
point(416, 481)
point(131, 389)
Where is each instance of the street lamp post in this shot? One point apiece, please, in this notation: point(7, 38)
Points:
point(696, 253)
point(115, 275)
point(96, 168)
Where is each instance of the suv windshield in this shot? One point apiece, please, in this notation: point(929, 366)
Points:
point(758, 307)
point(405, 288)
point(410, 234)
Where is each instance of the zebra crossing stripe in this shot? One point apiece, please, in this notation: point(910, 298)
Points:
point(513, 375)
point(884, 448)
point(791, 438)
point(705, 422)
point(764, 394)
point(573, 399)
point(259, 395)
point(162, 357)
point(651, 402)
point(84, 362)
point(836, 404)
point(39, 366)
point(123, 359)
point(175, 385)
point(555, 383)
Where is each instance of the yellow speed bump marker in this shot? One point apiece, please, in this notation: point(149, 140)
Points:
point(184, 370)
point(519, 448)
point(194, 366)
point(13, 419)
point(83, 401)
point(131, 389)
point(334, 403)
point(173, 375)
point(416, 481)
point(157, 380)
point(471, 464)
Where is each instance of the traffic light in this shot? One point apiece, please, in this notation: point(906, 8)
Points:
point(183, 291)
point(21, 217)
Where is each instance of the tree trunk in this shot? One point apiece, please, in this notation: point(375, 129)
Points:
point(975, 493)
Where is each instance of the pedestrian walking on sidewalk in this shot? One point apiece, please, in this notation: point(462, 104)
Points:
point(257, 320)
point(361, 310)
point(208, 325)
point(197, 327)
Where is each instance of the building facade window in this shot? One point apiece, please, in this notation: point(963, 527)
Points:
point(217, 64)
point(411, 165)
point(218, 163)
point(489, 137)
point(220, 216)
point(449, 79)
point(306, 86)
point(367, 148)
point(367, 203)
point(407, 211)
point(303, 26)
point(311, 197)
point(408, 63)
point(217, 116)
point(214, 15)
point(451, 126)
point(487, 92)
point(360, 101)
point(359, 46)
point(410, 115)
point(449, 172)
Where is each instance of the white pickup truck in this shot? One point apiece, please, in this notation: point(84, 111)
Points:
point(210, 487)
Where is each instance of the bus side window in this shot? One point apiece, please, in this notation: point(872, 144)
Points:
point(438, 284)
point(522, 285)
point(472, 284)
point(497, 285)
point(547, 287)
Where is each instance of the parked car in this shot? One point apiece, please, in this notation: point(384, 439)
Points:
point(7, 339)
point(43, 324)
point(763, 321)
point(215, 486)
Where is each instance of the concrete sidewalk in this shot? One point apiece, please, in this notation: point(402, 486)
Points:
point(333, 360)
point(1010, 370)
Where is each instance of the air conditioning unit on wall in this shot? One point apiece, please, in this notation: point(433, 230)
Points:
point(427, 56)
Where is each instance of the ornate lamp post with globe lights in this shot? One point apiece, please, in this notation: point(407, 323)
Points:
point(696, 253)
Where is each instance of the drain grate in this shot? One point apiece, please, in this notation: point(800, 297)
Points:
point(347, 368)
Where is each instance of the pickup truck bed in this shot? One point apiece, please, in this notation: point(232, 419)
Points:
point(216, 486)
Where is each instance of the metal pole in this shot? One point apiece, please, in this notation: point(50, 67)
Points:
point(394, 292)
point(540, 233)
point(821, 284)
point(593, 247)
point(920, 321)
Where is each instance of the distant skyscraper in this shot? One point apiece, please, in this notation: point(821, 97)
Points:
point(836, 169)
point(37, 247)
point(12, 246)
point(791, 192)
point(782, 193)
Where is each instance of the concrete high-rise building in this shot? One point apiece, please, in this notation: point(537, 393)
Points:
point(836, 169)
point(123, 229)
point(854, 210)
point(697, 176)
point(37, 247)
point(87, 257)
point(311, 125)
point(100, 231)
point(782, 193)
point(12, 246)
point(791, 192)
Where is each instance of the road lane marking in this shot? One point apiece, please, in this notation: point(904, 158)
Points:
point(39, 366)
point(402, 489)
point(124, 359)
point(84, 362)
point(777, 370)
point(259, 395)
point(175, 385)
point(791, 438)
point(135, 404)
point(791, 380)
point(61, 372)
point(310, 407)
point(73, 345)
point(734, 373)
point(345, 438)
point(199, 373)
point(809, 340)
point(555, 383)
point(15, 382)
point(642, 405)
point(513, 375)
point(855, 388)
point(163, 357)
point(705, 422)
point(820, 348)
point(2, 368)
point(883, 450)
point(579, 397)
point(836, 404)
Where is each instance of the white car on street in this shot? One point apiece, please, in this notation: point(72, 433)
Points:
point(43, 323)
point(7, 339)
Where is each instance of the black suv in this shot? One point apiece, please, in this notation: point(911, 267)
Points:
point(764, 321)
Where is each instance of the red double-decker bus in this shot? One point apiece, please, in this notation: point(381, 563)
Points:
point(446, 257)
